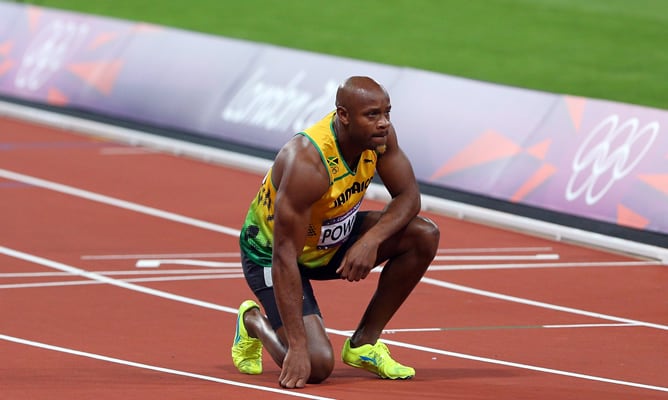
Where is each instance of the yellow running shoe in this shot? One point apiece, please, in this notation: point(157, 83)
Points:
point(246, 351)
point(375, 359)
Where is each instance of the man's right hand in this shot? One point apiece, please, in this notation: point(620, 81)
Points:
point(296, 369)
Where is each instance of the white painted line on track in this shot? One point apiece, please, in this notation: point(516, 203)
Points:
point(492, 250)
point(171, 371)
point(567, 326)
point(155, 263)
point(123, 273)
point(111, 281)
point(237, 255)
point(159, 293)
point(599, 264)
point(498, 257)
point(518, 365)
point(485, 293)
point(89, 282)
point(500, 327)
point(164, 255)
point(236, 267)
point(57, 187)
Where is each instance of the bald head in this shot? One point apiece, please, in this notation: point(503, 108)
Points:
point(362, 114)
point(357, 88)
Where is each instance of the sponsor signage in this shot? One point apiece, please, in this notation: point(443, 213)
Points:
point(584, 157)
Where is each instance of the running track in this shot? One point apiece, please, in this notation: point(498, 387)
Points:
point(85, 313)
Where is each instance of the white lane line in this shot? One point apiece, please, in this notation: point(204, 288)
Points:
point(157, 369)
point(610, 264)
point(485, 293)
point(517, 365)
point(236, 254)
point(587, 326)
point(500, 327)
point(155, 263)
point(89, 282)
point(498, 257)
point(84, 194)
point(493, 250)
point(163, 255)
point(123, 273)
point(111, 281)
point(159, 293)
point(229, 269)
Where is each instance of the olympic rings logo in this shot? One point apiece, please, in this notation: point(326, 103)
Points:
point(608, 154)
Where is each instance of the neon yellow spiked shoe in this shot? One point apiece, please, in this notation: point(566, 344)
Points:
point(246, 351)
point(375, 359)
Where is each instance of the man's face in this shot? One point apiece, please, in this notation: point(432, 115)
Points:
point(370, 119)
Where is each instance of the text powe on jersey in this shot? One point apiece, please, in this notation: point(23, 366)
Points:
point(336, 230)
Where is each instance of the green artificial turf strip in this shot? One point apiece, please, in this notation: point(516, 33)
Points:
point(608, 49)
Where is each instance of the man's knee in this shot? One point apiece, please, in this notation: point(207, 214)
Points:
point(320, 349)
point(427, 234)
point(322, 365)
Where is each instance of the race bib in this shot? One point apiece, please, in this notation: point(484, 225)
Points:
point(336, 230)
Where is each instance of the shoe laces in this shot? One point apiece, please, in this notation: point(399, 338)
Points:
point(380, 353)
point(248, 345)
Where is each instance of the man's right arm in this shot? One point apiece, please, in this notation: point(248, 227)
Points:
point(301, 179)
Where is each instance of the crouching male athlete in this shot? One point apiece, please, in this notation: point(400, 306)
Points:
point(305, 224)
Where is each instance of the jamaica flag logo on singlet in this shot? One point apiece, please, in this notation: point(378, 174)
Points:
point(333, 163)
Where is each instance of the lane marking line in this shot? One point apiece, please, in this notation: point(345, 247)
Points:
point(498, 328)
point(157, 369)
point(165, 255)
point(499, 257)
point(587, 326)
point(437, 258)
point(237, 268)
point(518, 365)
point(492, 250)
point(540, 304)
point(111, 281)
point(155, 263)
point(122, 273)
point(112, 201)
point(463, 267)
point(159, 293)
point(89, 282)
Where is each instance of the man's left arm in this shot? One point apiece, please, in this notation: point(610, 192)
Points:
point(396, 172)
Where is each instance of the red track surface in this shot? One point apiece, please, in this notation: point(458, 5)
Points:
point(56, 327)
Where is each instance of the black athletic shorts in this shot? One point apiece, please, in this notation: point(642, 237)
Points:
point(259, 278)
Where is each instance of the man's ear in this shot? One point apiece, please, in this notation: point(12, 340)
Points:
point(342, 114)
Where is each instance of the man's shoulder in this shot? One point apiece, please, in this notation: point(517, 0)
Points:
point(301, 157)
point(300, 147)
